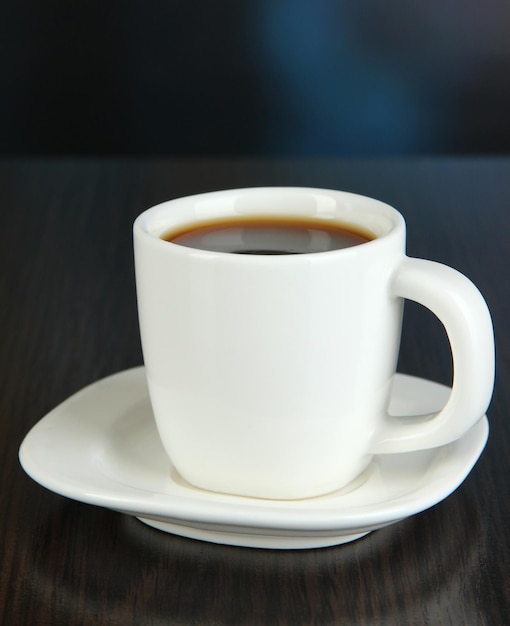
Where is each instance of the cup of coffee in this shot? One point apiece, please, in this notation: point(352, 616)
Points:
point(270, 321)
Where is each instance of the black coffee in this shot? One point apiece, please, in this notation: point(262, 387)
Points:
point(268, 235)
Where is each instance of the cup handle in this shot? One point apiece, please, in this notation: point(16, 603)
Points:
point(461, 308)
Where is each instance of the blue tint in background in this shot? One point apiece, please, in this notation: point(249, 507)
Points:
point(255, 77)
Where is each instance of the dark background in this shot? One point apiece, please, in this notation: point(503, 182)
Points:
point(254, 77)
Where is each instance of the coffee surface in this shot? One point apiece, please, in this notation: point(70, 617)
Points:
point(268, 235)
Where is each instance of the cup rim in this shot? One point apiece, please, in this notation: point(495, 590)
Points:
point(356, 209)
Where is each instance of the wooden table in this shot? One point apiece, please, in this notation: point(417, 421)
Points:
point(68, 318)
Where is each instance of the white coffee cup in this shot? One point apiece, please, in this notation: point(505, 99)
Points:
point(270, 376)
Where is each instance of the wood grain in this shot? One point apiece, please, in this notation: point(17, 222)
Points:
point(68, 317)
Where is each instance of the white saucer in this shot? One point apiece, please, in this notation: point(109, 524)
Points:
point(101, 447)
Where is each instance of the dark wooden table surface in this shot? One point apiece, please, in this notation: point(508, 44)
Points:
point(68, 318)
